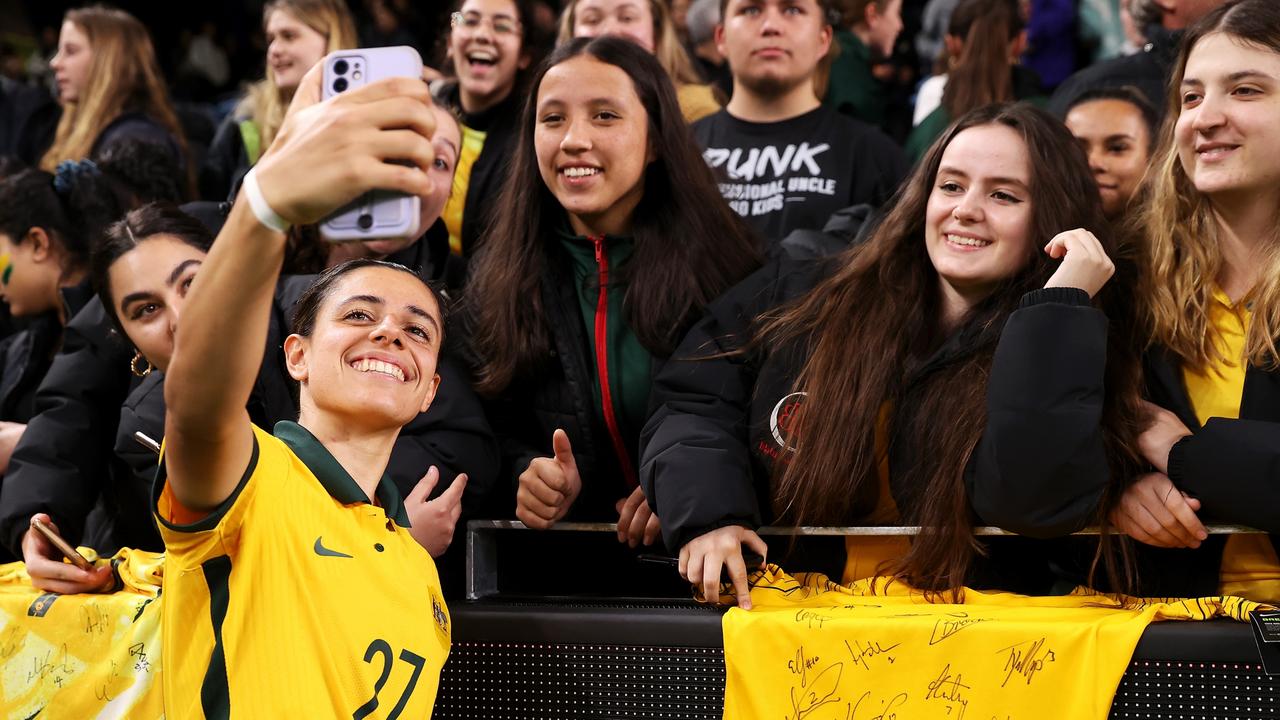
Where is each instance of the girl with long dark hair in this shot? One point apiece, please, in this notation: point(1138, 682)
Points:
point(922, 378)
point(609, 239)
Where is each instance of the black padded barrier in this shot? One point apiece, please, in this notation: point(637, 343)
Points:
point(642, 660)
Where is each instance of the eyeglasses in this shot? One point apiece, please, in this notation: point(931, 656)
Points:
point(471, 22)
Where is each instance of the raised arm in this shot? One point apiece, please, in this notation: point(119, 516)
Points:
point(1041, 466)
point(325, 155)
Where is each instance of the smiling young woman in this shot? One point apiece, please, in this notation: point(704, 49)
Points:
point(1210, 293)
point(110, 88)
point(949, 371)
point(1117, 129)
point(609, 239)
point(489, 50)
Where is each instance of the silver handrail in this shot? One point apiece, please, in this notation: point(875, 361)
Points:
point(482, 546)
point(878, 530)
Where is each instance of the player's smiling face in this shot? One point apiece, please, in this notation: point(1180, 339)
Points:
point(372, 354)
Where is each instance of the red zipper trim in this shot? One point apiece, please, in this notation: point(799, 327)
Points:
point(602, 363)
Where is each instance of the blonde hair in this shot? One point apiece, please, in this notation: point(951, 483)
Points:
point(264, 102)
point(666, 42)
point(123, 77)
point(1180, 234)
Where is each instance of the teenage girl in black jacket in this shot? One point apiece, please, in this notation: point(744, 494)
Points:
point(608, 240)
point(923, 378)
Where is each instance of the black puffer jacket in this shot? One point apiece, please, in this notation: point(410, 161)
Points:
point(25, 356)
point(226, 163)
point(65, 456)
point(559, 394)
point(1231, 466)
point(709, 448)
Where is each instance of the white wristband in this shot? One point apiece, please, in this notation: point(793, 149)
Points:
point(261, 210)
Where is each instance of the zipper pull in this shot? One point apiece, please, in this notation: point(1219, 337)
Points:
point(598, 241)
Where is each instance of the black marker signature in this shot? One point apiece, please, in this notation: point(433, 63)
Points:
point(812, 619)
point(103, 692)
point(804, 700)
point(140, 651)
point(95, 620)
point(897, 701)
point(952, 624)
point(9, 642)
point(1026, 658)
point(861, 652)
point(49, 665)
point(800, 665)
point(950, 688)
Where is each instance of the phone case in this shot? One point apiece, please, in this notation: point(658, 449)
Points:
point(377, 214)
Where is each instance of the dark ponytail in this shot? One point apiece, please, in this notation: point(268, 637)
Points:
point(147, 171)
point(73, 206)
point(983, 74)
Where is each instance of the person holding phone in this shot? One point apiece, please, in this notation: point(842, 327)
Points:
point(608, 240)
point(249, 517)
point(925, 377)
point(143, 269)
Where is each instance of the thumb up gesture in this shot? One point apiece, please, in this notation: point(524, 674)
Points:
point(548, 486)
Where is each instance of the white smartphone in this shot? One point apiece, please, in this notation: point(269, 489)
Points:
point(377, 214)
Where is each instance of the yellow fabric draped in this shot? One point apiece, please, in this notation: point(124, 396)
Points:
point(82, 656)
point(811, 649)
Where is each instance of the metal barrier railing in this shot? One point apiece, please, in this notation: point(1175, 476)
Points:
point(482, 545)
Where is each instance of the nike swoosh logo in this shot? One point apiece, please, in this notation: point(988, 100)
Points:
point(323, 551)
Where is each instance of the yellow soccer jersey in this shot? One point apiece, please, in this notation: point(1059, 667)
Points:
point(297, 598)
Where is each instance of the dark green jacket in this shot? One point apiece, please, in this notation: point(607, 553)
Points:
point(853, 90)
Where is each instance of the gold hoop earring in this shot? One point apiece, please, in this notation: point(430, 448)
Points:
point(133, 365)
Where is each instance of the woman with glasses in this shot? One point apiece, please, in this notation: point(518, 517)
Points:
point(488, 50)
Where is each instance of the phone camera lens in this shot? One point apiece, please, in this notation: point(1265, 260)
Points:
point(365, 221)
point(340, 67)
point(340, 84)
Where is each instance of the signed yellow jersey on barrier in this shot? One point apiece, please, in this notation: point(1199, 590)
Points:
point(82, 656)
point(877, 650)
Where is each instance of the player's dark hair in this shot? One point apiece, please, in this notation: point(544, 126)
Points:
point(136, 227)
point(308, 307)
